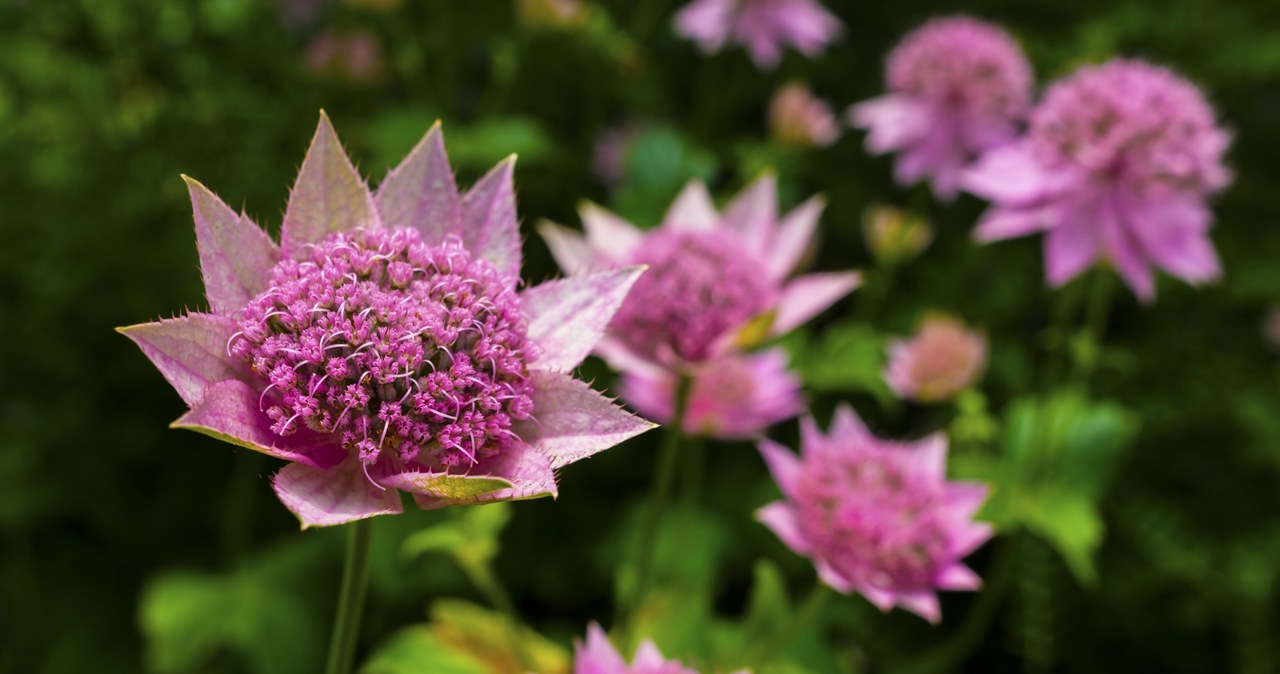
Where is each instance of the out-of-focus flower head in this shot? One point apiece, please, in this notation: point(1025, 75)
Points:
point(732, 396)
point(797, 117)
point(552, 14)
point(943, 359)
point(876, 517)
point(613, 145)
point(598, 656)
point(1116, 167)
point(355, 56)
point(763, 27)
point(382, 346)
point(893, 235)
point(957, 88)
point(1271, 328)
point(717, 281)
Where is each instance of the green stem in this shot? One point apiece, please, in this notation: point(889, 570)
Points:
point(695, 452)
point(1095, 321)
point(483, 578)
point(355, 581)
point(664, 470)
point(804, 616)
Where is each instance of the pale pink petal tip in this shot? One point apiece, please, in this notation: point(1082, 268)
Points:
point(848, 487)
point(597, 655)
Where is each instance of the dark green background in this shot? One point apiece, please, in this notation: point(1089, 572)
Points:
point(104, 103)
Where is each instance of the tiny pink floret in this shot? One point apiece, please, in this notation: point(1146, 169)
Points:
point(958, 87)
point(876, 517)
point(1116, 167)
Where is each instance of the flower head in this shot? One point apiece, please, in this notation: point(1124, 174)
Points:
point(876, 517)
point(383, 346)
point(957, 88)
point(355, 56)
point(764, 27)
point(942, 359)
point(1116, 165)
point(716, 281)
point(598, 656)
point(797, 117)
point(732, 396)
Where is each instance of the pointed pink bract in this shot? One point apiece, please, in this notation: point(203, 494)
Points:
point(236, 256)
point(421, 192)
point(329, 195)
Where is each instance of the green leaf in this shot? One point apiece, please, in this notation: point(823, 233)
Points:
point(258, 611)
point(848, 357)
point(768, 609)
point(415, 650)
point(471, 536)
point(489, 637)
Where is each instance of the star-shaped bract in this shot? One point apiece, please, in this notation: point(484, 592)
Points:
point(383, 345)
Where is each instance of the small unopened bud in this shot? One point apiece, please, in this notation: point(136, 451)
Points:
point(895, 236)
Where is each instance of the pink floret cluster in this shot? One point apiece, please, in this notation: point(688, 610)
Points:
point(395, 345)
point(876, 517)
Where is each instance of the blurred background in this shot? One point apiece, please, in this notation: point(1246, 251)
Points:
point(126, 546)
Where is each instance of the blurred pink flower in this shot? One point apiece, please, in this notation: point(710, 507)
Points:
point(732, 396)
point(942, 359)
point(1116, 166)
point(716, 283)
point(957, 88)
point(355, 56)
point(797, 117)
point(613, 145)
point(598, 656)
point(382, 346)
point(763, 27)
point(876, 517)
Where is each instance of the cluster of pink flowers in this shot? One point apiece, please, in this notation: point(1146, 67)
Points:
point(383, 347)
point(941, 360)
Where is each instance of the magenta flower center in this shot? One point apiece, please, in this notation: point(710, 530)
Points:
point(698, 286)
point(964, 65)
point(1132, 121)
point(871, 520)
point(394, 346)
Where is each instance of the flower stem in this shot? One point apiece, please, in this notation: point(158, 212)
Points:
point(805, 614)
point(1095, 322)
point(355, 581)
point(673, 433)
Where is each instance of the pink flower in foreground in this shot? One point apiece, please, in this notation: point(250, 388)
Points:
point(942, 359)
point(957, 88)
point(383, 347)
point(1116, 166)
point(798, 117)
point(876, 517)
point(733, 396)
point(763, 27)
point(716, 282)
point(598, 656)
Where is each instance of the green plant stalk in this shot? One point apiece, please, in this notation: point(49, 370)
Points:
point(482, 576)
point(355, 583)
point(805, 614)
point(673, 434)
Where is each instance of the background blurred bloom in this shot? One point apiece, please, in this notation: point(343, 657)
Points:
point(383, 347)
point(553, 14)
point(1116, 166)
point(716, 282)
point(797, 117)
point(876, 517)
point(894, 235)
point(763, 27)
point(355, 56)
point(957, 88)
point(732, 396)
point(598, 656)
point(942, 359)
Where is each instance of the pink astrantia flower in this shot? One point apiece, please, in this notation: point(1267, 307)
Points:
point(763, 27)
point(798, 117)
point(598, 656)
point(383, 346)
point(876, 517)
point(957, 88)
point(716, 282)
point(1116, 166)
point(732, 396)
point(942, 359)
